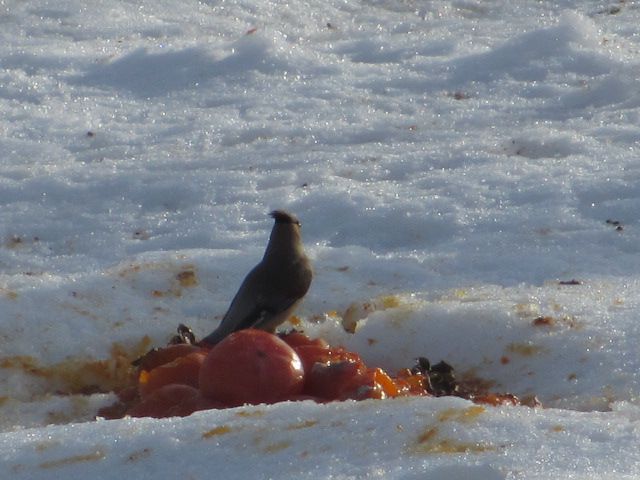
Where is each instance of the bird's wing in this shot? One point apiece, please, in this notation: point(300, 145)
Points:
point(257, 304)
point(241, 315)
point(248, 307)
point(276, 308)
point(259, 313)
point(243, 307)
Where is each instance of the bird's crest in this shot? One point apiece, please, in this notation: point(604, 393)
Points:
point(280, 216)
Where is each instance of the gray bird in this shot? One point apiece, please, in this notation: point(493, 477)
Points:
point(273, 289)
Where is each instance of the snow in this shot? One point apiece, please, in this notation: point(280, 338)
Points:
point(448, 438)
point(455, 164)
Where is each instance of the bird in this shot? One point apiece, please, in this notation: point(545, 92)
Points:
point(272, 290)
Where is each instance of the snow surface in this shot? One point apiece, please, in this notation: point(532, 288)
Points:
point(452, 163)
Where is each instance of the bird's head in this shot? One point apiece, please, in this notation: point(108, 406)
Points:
point(285, 240)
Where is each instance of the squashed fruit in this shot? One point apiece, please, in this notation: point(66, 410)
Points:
point(172, 400)
point(182, 371)
point(253, 367)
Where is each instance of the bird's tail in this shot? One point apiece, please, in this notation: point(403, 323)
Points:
point(214, 337)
